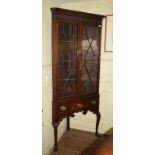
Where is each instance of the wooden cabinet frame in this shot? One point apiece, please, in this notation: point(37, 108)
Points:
point(84, 98)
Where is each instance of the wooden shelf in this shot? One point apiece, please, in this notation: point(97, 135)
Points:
point(66, 60)
point(67, 41)
point(68, 80)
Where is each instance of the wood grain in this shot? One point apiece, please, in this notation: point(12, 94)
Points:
point(77, 142)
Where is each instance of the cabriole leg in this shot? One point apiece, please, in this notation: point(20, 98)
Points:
point(98, 115)
point(55, 125)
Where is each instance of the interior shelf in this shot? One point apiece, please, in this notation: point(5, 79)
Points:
point(68, 41)
point(67, 60)
point(67, 79)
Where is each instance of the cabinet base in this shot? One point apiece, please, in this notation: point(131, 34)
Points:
point(55, 125)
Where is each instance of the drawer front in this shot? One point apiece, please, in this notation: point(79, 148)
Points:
point(62, 108)
point(67, 108)
point(78, 105)
point(93, 104)
point(60, 111)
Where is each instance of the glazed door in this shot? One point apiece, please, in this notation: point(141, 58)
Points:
point(90, 59)
point(67, 59)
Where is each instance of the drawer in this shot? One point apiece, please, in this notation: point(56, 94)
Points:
point(78, 105)
point(62, 108)
point(93, 104)
point(83, 104)
point(71, 106)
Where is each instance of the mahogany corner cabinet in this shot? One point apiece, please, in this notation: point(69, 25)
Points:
point(76, 46)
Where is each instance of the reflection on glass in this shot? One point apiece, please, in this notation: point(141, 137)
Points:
point(67, 59)
point(90, 59)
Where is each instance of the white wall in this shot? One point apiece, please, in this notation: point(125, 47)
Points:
point(80, 122)
point(88, 122)
point(97, 6)
point(48, 137)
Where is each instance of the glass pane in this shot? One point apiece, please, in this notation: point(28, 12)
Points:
point(90, 60)
point(67, 58)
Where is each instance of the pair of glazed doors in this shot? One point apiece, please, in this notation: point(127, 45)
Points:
point(78, 59)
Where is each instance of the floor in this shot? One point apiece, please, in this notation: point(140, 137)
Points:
point(77, 142)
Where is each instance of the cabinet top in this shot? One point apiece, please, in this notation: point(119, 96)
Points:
point(60, 11)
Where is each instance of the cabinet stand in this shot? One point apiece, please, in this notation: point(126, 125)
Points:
point(55, 125)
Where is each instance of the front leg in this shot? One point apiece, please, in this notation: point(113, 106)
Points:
point(55, 125)
point(97, 123)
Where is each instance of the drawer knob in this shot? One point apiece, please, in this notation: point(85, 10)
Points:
point(93, 102)
point(79, 105)
point(63, 108)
